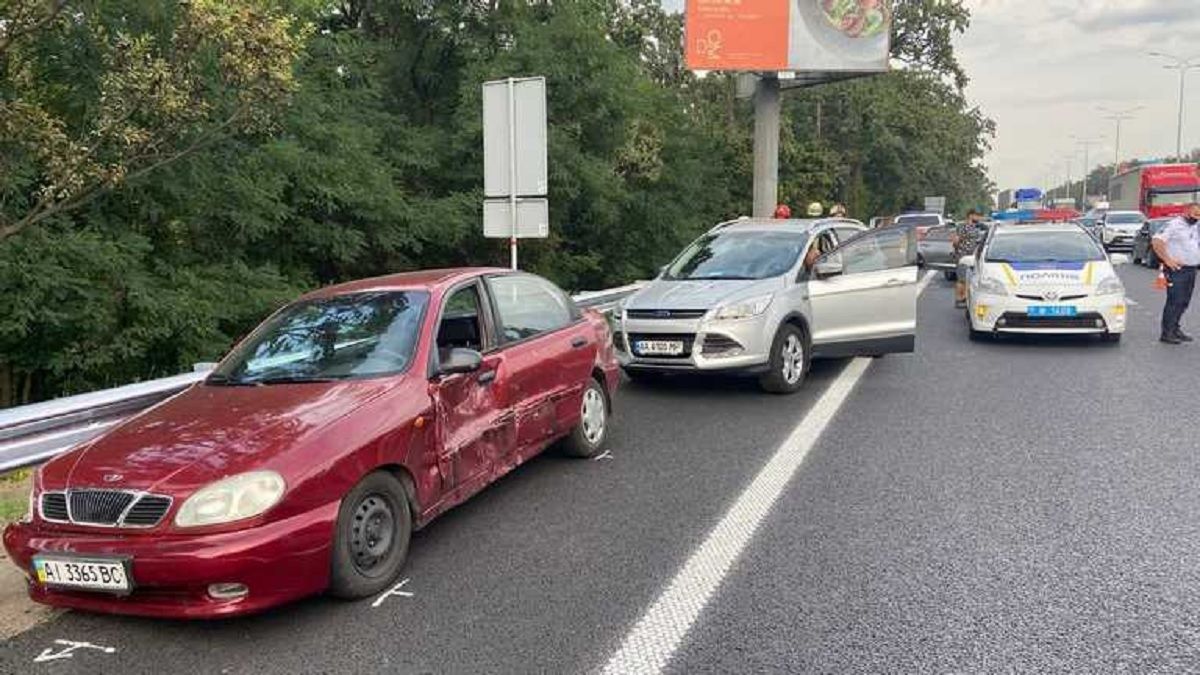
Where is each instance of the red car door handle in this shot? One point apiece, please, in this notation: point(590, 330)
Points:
point(486, 377)
point(579, 343)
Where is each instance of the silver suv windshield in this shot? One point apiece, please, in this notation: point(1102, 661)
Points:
point(738, 255)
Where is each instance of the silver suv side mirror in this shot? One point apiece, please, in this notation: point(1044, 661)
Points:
point(827, 268)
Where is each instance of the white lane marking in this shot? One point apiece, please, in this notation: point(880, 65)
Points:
point(607, 454)
point(929, 275)
point(395, 591)
point(48, 654)
point(648, 647)
point(1131, 302)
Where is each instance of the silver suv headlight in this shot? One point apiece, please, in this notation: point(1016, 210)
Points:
point(1110, 286)
point(742, 309)
point(234, 498)
point(990, 285)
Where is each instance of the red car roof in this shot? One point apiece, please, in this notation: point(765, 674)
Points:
point(423, 279)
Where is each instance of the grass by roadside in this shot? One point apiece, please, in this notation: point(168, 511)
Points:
point(17, 613)
point(14, 494)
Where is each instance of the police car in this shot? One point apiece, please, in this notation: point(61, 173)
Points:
point(1044, 278)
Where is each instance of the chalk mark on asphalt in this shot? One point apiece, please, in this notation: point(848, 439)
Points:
point(650, 644)
point(394, 591)
point(607, 454)
point(48, 654)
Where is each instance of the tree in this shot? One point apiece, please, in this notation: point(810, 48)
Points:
point(111, 92)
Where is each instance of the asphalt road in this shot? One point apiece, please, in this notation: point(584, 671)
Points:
point(1018, 506)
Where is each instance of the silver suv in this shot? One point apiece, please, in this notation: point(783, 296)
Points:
point(764, 297)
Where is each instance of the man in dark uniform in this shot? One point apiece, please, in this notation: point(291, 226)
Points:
point(1177, 245)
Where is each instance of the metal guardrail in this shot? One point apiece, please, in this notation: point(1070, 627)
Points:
point(33, 434)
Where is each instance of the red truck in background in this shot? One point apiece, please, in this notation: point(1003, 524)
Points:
point(1157, 190)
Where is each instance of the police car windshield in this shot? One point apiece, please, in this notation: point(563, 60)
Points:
point(739, 255)
point(1035, 246)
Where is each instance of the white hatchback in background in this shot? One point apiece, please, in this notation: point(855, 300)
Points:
point(1044, 278)
point(1118, 229)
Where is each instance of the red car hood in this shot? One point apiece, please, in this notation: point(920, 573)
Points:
point(214, 431)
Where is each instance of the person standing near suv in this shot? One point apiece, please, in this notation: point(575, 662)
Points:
point(1177, 245)
point(964, 240)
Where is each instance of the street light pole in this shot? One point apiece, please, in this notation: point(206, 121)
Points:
point(1183, 66)
point(1087, 144)
point(1119, 116)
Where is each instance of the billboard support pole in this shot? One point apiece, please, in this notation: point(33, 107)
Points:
point(766, 145)
point(512, 169)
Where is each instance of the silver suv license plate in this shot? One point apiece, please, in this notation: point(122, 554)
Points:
point(659, 347)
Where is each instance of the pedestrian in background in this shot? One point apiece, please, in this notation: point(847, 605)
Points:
point(815, 210)
point(964, 240)
point(783, 212)
point(837, 211)
point(1178, 247)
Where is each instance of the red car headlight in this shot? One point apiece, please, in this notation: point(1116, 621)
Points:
point(230, 499)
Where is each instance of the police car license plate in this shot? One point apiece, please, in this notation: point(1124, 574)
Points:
point(659, 347)
point(1052, 310)
point(93, 574)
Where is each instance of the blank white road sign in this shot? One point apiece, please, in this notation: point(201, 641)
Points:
point(533, 218)
point(525, 132)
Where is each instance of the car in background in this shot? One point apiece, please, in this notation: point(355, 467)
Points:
point(1143, 252)
point(765, 297)
point(1091, 224)
point(937, 253)
point(921, 222)
point(304, 462)
point(1118, 228)
point(1044, 278)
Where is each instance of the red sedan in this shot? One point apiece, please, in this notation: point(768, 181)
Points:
point(304, 462)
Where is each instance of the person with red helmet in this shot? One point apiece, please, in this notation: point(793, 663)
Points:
point(783, 212)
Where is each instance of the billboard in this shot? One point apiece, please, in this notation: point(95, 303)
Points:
point(788, 35)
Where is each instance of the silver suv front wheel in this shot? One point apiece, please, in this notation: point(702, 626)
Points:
point(789, 361)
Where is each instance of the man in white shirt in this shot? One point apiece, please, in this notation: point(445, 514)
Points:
point(1178, 247)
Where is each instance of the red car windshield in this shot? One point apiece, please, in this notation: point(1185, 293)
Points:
point(353, 335)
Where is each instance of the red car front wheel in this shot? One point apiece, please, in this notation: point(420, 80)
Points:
point(371, 540)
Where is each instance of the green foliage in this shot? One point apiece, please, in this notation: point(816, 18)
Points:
point(109, 92)
point(269, 159)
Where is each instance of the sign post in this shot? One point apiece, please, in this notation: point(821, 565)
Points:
point(803, 43)
point(766, 146)
point(515, 161)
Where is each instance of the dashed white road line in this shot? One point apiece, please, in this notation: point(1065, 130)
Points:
point(648, 647)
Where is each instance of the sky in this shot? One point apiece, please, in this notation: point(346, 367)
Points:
point(1041, 69)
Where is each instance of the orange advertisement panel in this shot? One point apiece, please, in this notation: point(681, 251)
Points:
point(737, 34)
